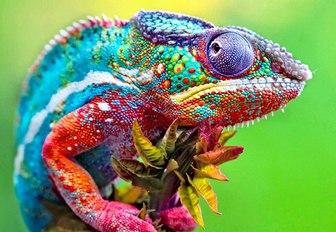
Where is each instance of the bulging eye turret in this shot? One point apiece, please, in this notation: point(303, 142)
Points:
point(230, 54)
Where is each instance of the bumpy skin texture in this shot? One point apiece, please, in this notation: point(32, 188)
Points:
point(98, 76)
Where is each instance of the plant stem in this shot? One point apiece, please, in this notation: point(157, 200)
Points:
point(183, 154)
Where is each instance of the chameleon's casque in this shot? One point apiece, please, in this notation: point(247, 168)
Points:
point(96, 77)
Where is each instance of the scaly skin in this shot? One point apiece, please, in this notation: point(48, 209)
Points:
point(94, 79)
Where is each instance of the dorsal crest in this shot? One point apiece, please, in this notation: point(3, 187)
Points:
point(165, 27)
point(76, 27)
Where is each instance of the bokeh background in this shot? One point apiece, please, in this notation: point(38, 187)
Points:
point(285, 180)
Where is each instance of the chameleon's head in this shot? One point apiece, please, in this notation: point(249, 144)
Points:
point(229, 75)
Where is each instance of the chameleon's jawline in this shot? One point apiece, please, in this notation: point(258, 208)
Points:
point(223, 86)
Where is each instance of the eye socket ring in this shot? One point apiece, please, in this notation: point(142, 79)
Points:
point(230, 54)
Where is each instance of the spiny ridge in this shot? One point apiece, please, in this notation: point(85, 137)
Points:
point(64, 34)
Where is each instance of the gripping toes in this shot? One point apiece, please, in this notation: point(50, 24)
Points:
point(122, 217)
point(178, 219)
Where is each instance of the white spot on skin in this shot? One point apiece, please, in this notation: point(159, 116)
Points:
point(103, 106)
point(129, 72)
point(160, 68)
point(108, 120)
point(51, 125)
point(128, 75)
point(69, 148)
point(145, 78)
point(19, 159)
point(134, 74)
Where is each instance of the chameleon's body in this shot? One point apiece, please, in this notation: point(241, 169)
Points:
point(98, 76)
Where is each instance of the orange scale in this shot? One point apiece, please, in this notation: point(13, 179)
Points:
point(201, 103)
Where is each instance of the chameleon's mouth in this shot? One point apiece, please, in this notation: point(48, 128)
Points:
point(234, 85)
point(239, 101)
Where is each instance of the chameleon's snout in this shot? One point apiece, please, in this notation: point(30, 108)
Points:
point(283, 62)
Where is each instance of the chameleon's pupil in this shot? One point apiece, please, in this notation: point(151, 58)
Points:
point(215, 47)
point(230, 54)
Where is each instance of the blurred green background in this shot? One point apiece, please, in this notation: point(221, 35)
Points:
point(285, 180)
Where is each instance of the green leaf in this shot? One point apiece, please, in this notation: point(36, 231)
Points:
point(167, 145)
point(150, 154)
point(120, 169)
point(203, 187)
point(179, 175)
point(148, 182)
point(144, 211)
point(225, 136)
point(129, 194)
point(220, 156)
point(171, 166)
point(189, 198)
point(136, 167)
point(210, 171)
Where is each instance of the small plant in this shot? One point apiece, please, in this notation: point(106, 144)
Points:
point(176, 169)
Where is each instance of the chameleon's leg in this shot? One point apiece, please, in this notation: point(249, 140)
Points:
point(76, 132)
point(178, 219)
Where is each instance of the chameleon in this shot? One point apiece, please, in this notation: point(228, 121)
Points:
point(97, 76)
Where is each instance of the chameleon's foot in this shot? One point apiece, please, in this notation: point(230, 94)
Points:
point(178, 219)
point(122, 217)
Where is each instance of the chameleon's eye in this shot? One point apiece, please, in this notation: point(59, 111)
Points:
point(230, 54)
